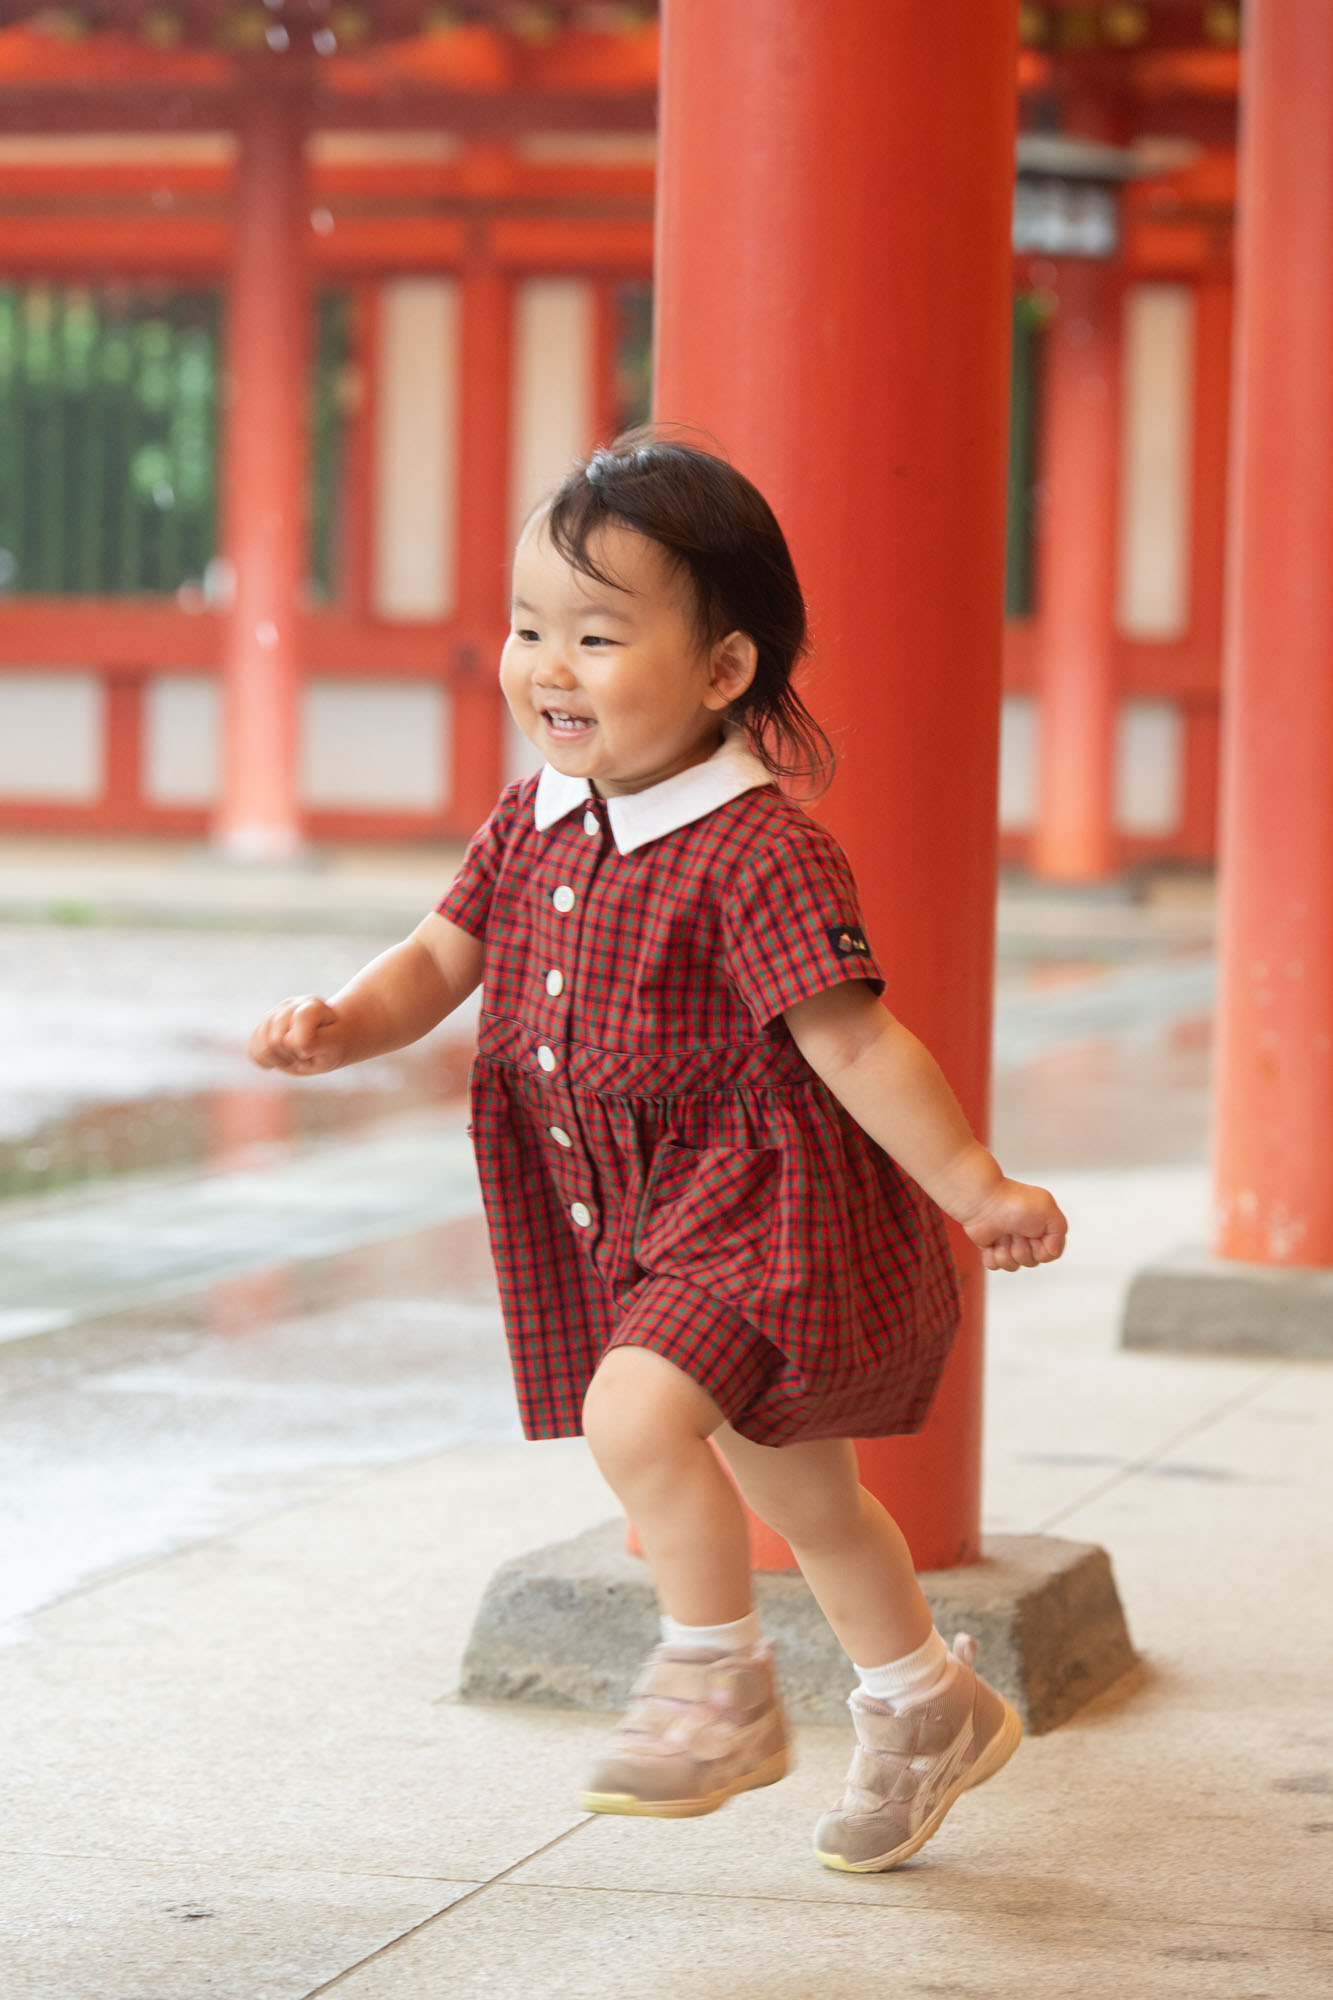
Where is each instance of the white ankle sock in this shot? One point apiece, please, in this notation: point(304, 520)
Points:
point(915, 1674)
point(741, 1637)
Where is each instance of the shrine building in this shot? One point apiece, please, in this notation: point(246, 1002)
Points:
point(303, 305)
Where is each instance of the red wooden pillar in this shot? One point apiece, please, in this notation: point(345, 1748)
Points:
point(1073, 839)
point(1214, 302)
point(1275, 1061)
point(122, 803)
point(485, 392)
point(264, 451)
point(834, 300)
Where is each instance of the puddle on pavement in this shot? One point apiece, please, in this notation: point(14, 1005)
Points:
point(129, 1436)
point(220, 1129)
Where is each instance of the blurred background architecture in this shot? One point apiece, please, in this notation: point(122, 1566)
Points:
point(302, 305)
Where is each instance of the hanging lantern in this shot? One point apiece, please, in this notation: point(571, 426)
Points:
point(1066, 197)
point(159, 28)
point(350, 26)
point(1126, 24)
point(1221, 23)
point(1033, 26)
point(245, 30)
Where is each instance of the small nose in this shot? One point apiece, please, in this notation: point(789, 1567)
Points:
point(553, 670)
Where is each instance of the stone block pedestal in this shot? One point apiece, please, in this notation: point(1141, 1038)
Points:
point(568, 1626)
point(1194, 1303)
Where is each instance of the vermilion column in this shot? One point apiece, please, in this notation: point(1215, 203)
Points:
point(834, 299)
point(1214, 317)
point(264, 445)
point(485, 394)
point(1275, 1062)
point(1076, 578)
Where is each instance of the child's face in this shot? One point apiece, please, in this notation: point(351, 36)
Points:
point(611, 682)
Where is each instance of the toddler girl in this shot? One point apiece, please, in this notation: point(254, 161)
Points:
point(711, 1159)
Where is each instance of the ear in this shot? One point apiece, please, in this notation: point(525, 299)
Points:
point(731, 668)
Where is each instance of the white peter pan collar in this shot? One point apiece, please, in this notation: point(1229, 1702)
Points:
point(638, 817)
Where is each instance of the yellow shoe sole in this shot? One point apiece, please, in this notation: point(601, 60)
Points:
point(767, 1773)
point(992, 1759)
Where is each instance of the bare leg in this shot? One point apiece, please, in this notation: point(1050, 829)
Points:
point(648, 1426)
point(851, 1552)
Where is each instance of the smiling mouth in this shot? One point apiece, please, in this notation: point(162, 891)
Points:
point(560, 723)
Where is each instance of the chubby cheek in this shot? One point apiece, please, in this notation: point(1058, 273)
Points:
point(515, 682)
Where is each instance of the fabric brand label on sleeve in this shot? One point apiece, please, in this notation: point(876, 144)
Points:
point(848, 941)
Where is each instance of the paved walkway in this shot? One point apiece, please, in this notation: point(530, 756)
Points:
point(250, 1509)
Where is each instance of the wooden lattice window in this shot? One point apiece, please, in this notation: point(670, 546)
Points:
point(634, 354)
point(109, 438)
point(1031, 315)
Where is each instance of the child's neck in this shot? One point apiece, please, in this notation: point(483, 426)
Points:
point(613, 788)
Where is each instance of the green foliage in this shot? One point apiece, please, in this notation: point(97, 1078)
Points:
point(109, 437)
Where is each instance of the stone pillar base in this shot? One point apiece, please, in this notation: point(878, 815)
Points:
point(1194, 1303)
point(568, 1626)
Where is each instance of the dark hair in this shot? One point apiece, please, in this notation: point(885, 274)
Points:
point(718, 528)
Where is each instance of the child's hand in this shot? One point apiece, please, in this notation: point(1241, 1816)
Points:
point(1017, 1227)
point(304, 1036)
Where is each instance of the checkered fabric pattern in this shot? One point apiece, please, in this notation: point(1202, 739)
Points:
point(660, 1167)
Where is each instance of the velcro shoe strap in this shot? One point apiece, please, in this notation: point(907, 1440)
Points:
point(674, 1680)
point(895, 1735)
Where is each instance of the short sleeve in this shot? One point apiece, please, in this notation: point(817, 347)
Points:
point(791, 923)
point(467, 901)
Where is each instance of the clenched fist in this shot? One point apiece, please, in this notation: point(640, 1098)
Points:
point(305, 1036)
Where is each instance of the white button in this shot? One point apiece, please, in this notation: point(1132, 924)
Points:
point(546, 1057)
point(581, 1214)
point(561, 1137)
point(563, 897)
point(555, 983)
point(591, 824)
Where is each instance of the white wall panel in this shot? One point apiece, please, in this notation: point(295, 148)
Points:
point(416, 449)
point(1020, 722)
point(375, 745)
point(51, 737)
point(1157, 439)
point(1150, 754)
point(554, 333)
point(182, 739)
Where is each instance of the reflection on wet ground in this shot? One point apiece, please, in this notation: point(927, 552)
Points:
point(147, 1239)
point(217, 1129)
point(130, 1435)
point(221, 1291)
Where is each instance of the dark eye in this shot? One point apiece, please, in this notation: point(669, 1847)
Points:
point(525, 632)
point(595, 639)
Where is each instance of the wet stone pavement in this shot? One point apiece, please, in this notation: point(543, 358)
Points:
point(219, 1286)
point(258, 1461)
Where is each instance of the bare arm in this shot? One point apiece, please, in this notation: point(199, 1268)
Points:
point(397, 998)
point(896, 1091)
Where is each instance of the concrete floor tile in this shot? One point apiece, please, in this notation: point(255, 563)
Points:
point(124, 1928)
point(1167, 1820)
point(282, 1697)
point(514, 1940)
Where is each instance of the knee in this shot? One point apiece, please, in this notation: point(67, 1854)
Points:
point(635, 1419)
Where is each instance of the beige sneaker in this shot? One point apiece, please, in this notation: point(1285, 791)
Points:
point(700, 1728)
point(912, 1762)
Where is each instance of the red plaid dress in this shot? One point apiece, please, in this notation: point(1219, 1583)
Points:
point(660, 1167)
